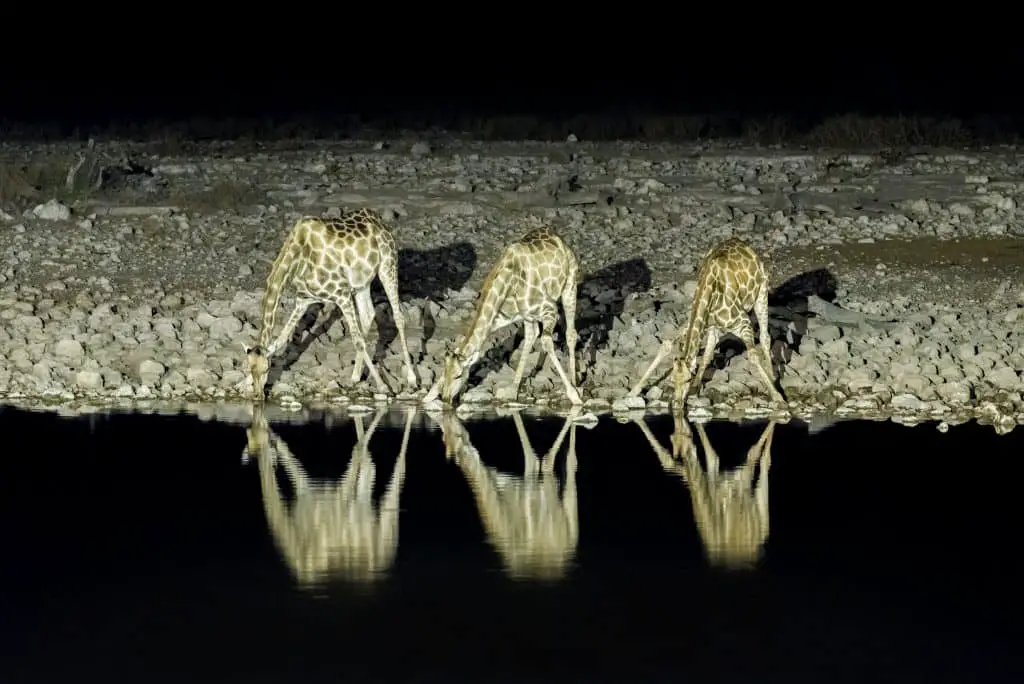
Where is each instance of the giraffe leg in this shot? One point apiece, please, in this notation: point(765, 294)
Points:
point(664, 350)
point(348, 310)
point(530, 334)
point(388, 275)
point(530, 464)
point(683, 389)
point(281, 341)
point(549, 317)
point(571, 336)
point(364, 308)
point(548, 464)
point(746, 333)
point(761, 311)
point(710, 455)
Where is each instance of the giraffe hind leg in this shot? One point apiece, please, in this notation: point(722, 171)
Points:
point(684, 388)
point(348, 310)
point(767, 369)
point(746, 333)
point(529, 340)
point(388, 275)
point(548, 320)
point(364, 309)
point(571, 336)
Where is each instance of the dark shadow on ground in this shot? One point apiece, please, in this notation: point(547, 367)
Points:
point(600, 299)
point(422, 274)
point(788, 312)
point(429, 274)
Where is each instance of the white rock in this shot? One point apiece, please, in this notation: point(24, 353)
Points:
point(52, 210)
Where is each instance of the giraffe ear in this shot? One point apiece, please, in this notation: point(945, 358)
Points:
point(245, 347)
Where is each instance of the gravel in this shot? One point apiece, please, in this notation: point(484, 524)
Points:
point(143, 293)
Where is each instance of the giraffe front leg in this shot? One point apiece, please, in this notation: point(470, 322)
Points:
point(548, 319)
point(281, 341)
point(348, 310)
point(530, 334)
point(663, 350)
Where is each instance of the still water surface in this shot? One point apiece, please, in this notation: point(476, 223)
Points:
point(397, 547)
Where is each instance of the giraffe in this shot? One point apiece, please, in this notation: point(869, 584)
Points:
point(732, 520)
point(534, 529)
point(526, 283)
point(732, 280)
point(331, 529)
point(332, 260)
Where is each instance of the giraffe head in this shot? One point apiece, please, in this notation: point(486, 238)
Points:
point(259, 367)
point(456, 368)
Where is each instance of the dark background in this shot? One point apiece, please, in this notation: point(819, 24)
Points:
point(804, 86)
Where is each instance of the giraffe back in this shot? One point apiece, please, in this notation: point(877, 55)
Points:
point(541, 265)
point(337, 255)
point(731, 277)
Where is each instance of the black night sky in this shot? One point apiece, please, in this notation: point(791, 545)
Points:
point(817, 84)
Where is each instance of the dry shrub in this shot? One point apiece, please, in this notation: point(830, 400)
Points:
point(849, 131)
point(23, 184)
point(853, 131)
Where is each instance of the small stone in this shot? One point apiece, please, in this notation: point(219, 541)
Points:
point(69, 349)
point(628, 404)
point(89, 379)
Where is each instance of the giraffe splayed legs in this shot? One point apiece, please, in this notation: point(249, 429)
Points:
point(732, 281)
point(531, 276)
point(332, 261)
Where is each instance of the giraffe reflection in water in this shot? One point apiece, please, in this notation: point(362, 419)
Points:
point(731, 514)
point(331, 529)
point(533, 526)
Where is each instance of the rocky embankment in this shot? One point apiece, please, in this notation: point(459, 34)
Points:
point(898, 281)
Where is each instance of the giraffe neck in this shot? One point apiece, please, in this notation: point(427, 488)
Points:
point(495, 290)
point(690, 342)
point(280, 274)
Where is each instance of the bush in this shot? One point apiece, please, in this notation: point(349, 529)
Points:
point(849, 131)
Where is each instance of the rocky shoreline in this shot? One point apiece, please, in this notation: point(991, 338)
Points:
point(898, 287)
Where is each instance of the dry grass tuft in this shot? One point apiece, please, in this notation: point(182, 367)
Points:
point(23, 184)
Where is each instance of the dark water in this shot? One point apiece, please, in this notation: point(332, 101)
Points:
point(142, 549)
